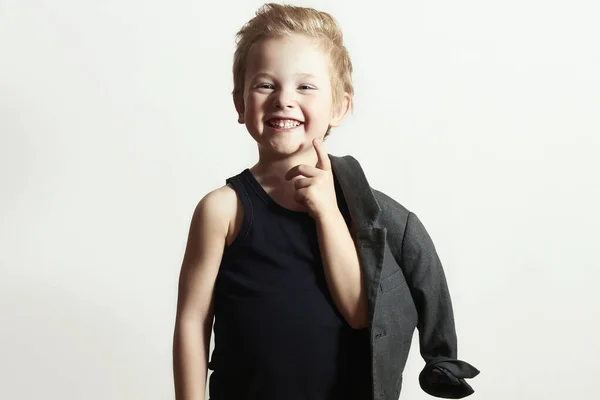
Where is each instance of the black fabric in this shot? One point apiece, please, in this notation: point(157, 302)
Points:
point(278, 333)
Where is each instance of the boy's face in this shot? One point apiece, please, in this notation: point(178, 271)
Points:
point(287, 99)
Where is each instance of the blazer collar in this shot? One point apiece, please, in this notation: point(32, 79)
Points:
point(362, 205)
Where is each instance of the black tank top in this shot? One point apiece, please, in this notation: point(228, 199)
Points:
point(278, 334)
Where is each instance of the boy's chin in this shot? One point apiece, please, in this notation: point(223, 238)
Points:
point(290, 145)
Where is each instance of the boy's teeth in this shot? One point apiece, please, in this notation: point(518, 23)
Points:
point(284, 123)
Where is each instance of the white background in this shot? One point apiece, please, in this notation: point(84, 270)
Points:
point(116, 119)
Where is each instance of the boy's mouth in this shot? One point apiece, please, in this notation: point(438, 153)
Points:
point(283, 123)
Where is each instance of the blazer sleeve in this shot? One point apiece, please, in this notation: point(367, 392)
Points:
point(443, 375)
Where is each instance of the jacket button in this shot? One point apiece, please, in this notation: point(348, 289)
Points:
point(380, 334)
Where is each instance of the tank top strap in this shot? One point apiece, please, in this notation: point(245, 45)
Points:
point(244, 194)
point(242, 190)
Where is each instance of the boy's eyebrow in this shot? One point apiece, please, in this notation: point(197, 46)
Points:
point(306, 75)
point(269, 76)
point(260, 75)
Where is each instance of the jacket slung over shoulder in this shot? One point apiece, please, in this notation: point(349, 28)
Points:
point(406, 289)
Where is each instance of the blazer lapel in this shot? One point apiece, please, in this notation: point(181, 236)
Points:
point(364, 212)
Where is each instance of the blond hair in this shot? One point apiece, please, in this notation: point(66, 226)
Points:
point(275, 20)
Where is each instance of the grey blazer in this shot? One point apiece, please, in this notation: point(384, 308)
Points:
point(406, 289)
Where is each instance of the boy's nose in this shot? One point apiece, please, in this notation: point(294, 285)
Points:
point(284, 100)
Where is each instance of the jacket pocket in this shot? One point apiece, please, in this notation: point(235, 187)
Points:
point(392, 281)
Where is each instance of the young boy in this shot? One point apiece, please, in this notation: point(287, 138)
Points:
point(315, 280)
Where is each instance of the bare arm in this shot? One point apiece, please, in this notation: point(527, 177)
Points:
point(342, 269)
point(193, 325)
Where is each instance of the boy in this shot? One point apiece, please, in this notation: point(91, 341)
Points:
point(290, 255)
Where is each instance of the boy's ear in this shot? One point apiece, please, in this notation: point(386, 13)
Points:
point(238, 101)
point(339, 114)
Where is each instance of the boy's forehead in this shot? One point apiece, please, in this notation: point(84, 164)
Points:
point(292, 39)
point(298, 55)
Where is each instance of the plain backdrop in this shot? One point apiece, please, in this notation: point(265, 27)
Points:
point(116, 119)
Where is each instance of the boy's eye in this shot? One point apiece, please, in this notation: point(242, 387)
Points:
point(271, 86)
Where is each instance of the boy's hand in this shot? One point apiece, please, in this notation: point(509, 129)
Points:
point(316, 192)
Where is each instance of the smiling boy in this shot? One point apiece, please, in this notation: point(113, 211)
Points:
point(307, 271)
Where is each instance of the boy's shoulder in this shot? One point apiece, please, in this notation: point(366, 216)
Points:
point(228, 195)
point(221, 197)
point(222, 202)
point(231, 209)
